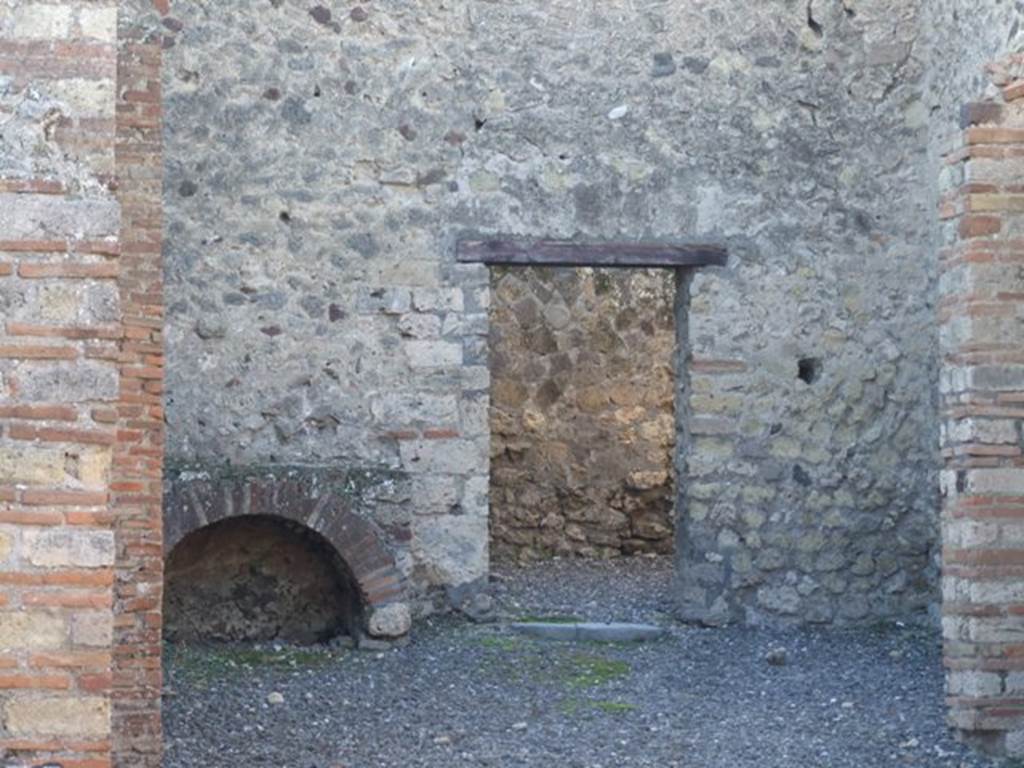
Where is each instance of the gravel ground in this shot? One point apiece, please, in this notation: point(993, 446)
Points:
point(476, 695)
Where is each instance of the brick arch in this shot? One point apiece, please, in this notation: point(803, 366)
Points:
point(195, 500)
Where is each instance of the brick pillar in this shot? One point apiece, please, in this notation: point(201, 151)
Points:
point(136, 485)
point(60, 331)
point(982, 397)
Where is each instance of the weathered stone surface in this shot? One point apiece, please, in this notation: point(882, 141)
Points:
point(317, 181)
point(590, 632)
point(19, 631)
point(21, 464)
point(46, 216)
point(38, 20)
point(92, 628)
point(807, 430)
point(33, 465)
point(69, 716)
point(64, 547)
point(311, 298)
point(452, 548)
point(391, 620)
point(52, 382)
point(582, 426)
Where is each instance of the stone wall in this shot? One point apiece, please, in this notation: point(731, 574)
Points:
point(808, 479)
point(321, 161)
point(582, 417)
point(314, 317)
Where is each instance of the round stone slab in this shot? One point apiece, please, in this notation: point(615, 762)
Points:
point(592, 632)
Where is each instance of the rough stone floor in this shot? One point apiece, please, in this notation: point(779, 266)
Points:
point(475, 695)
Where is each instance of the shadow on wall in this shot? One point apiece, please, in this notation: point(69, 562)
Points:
point(258, 578)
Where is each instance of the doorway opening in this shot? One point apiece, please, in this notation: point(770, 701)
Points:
point(583, 428)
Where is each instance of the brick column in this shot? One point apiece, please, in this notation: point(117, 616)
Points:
point(136, 487)
point(982, 397)
point(60, 331)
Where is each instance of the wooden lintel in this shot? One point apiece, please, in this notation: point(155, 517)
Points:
point(565, 253)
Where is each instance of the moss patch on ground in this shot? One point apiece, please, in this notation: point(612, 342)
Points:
point(200, 664)
point(586, 670)
point(531, 662)
point(577, 706)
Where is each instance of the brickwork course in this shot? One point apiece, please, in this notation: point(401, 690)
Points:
point(847, 386)
point(982, 388)
point(80, 397)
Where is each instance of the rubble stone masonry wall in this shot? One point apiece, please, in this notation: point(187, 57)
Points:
point(582, 412)
point(328, 359)
point(322, 159)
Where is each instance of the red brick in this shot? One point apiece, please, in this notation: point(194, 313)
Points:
point(52, 682)
point(91, 577)
point(13, 517)
point(26, 745)
point(68, 270)
point(96, 683)
point(62, 435)
point(36, 352)
point(95, 519)
point(1013, 91)
point(66, 599)
point(93, 762)
point(71, 660)
point(994, 136)
point(39, 412)
point(66, 331)
point(980, 226)
point(34, 246)
point(57, 498)
point(34, 186)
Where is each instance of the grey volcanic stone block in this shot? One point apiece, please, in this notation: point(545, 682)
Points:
point(591, 632)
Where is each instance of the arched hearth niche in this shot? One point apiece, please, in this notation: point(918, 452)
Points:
point(196, 501)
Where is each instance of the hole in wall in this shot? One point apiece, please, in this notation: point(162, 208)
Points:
point(257, 578)
point(809, 369)
point(812, 23)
